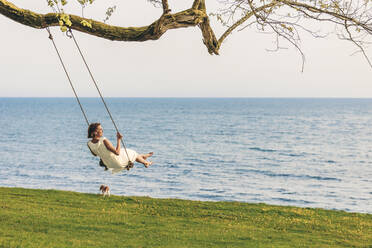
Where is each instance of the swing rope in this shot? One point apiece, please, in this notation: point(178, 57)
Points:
point(68, 77)
point(130, 164)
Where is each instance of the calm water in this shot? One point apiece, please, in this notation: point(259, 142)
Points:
point(302, 152)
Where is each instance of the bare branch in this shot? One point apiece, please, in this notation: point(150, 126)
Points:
point(241, 21)
point(166, 9)
point(286, 18)
point(357, 44)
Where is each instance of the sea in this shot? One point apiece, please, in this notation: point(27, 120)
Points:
point(306, 152)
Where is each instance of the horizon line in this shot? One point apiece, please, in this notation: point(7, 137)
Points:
point(211, 97)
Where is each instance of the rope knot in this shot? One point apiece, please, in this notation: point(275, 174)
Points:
point(69, 33)
point(50, 34)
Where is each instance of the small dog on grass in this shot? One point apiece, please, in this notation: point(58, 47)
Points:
point(105, 190)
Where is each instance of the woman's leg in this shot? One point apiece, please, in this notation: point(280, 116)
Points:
point(142, 159)
point(145, 156)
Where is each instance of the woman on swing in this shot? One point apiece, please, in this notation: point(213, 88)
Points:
point(113, 158)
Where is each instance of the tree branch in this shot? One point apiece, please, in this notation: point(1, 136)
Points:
point(196, 4)
point(166, 9)
point(187, 18)
point(242, 20)
point(338, 16)
point(269, 13)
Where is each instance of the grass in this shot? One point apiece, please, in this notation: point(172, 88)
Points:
point(50, 218)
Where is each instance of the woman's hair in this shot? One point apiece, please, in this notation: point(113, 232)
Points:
point(92, 128)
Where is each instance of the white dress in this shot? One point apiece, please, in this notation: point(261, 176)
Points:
point(113, 162)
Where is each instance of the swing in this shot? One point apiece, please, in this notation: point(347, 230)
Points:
point(71, 35)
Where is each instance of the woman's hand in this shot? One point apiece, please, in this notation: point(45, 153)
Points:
point(119, 136)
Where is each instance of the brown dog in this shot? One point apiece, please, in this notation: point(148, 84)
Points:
point(105, 190)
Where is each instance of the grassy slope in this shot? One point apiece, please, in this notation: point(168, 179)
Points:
point(49, 218)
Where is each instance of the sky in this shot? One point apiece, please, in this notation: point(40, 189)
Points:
point(176, 65)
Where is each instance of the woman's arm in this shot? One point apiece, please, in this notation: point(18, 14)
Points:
point(110, 147)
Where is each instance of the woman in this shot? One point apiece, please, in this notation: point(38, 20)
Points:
point(113, 158)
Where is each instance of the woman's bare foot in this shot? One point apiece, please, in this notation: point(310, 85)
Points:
point(147, 164)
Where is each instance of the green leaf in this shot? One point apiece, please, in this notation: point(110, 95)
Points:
point(66, 19)
point(63, 28)
point(86, 24)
